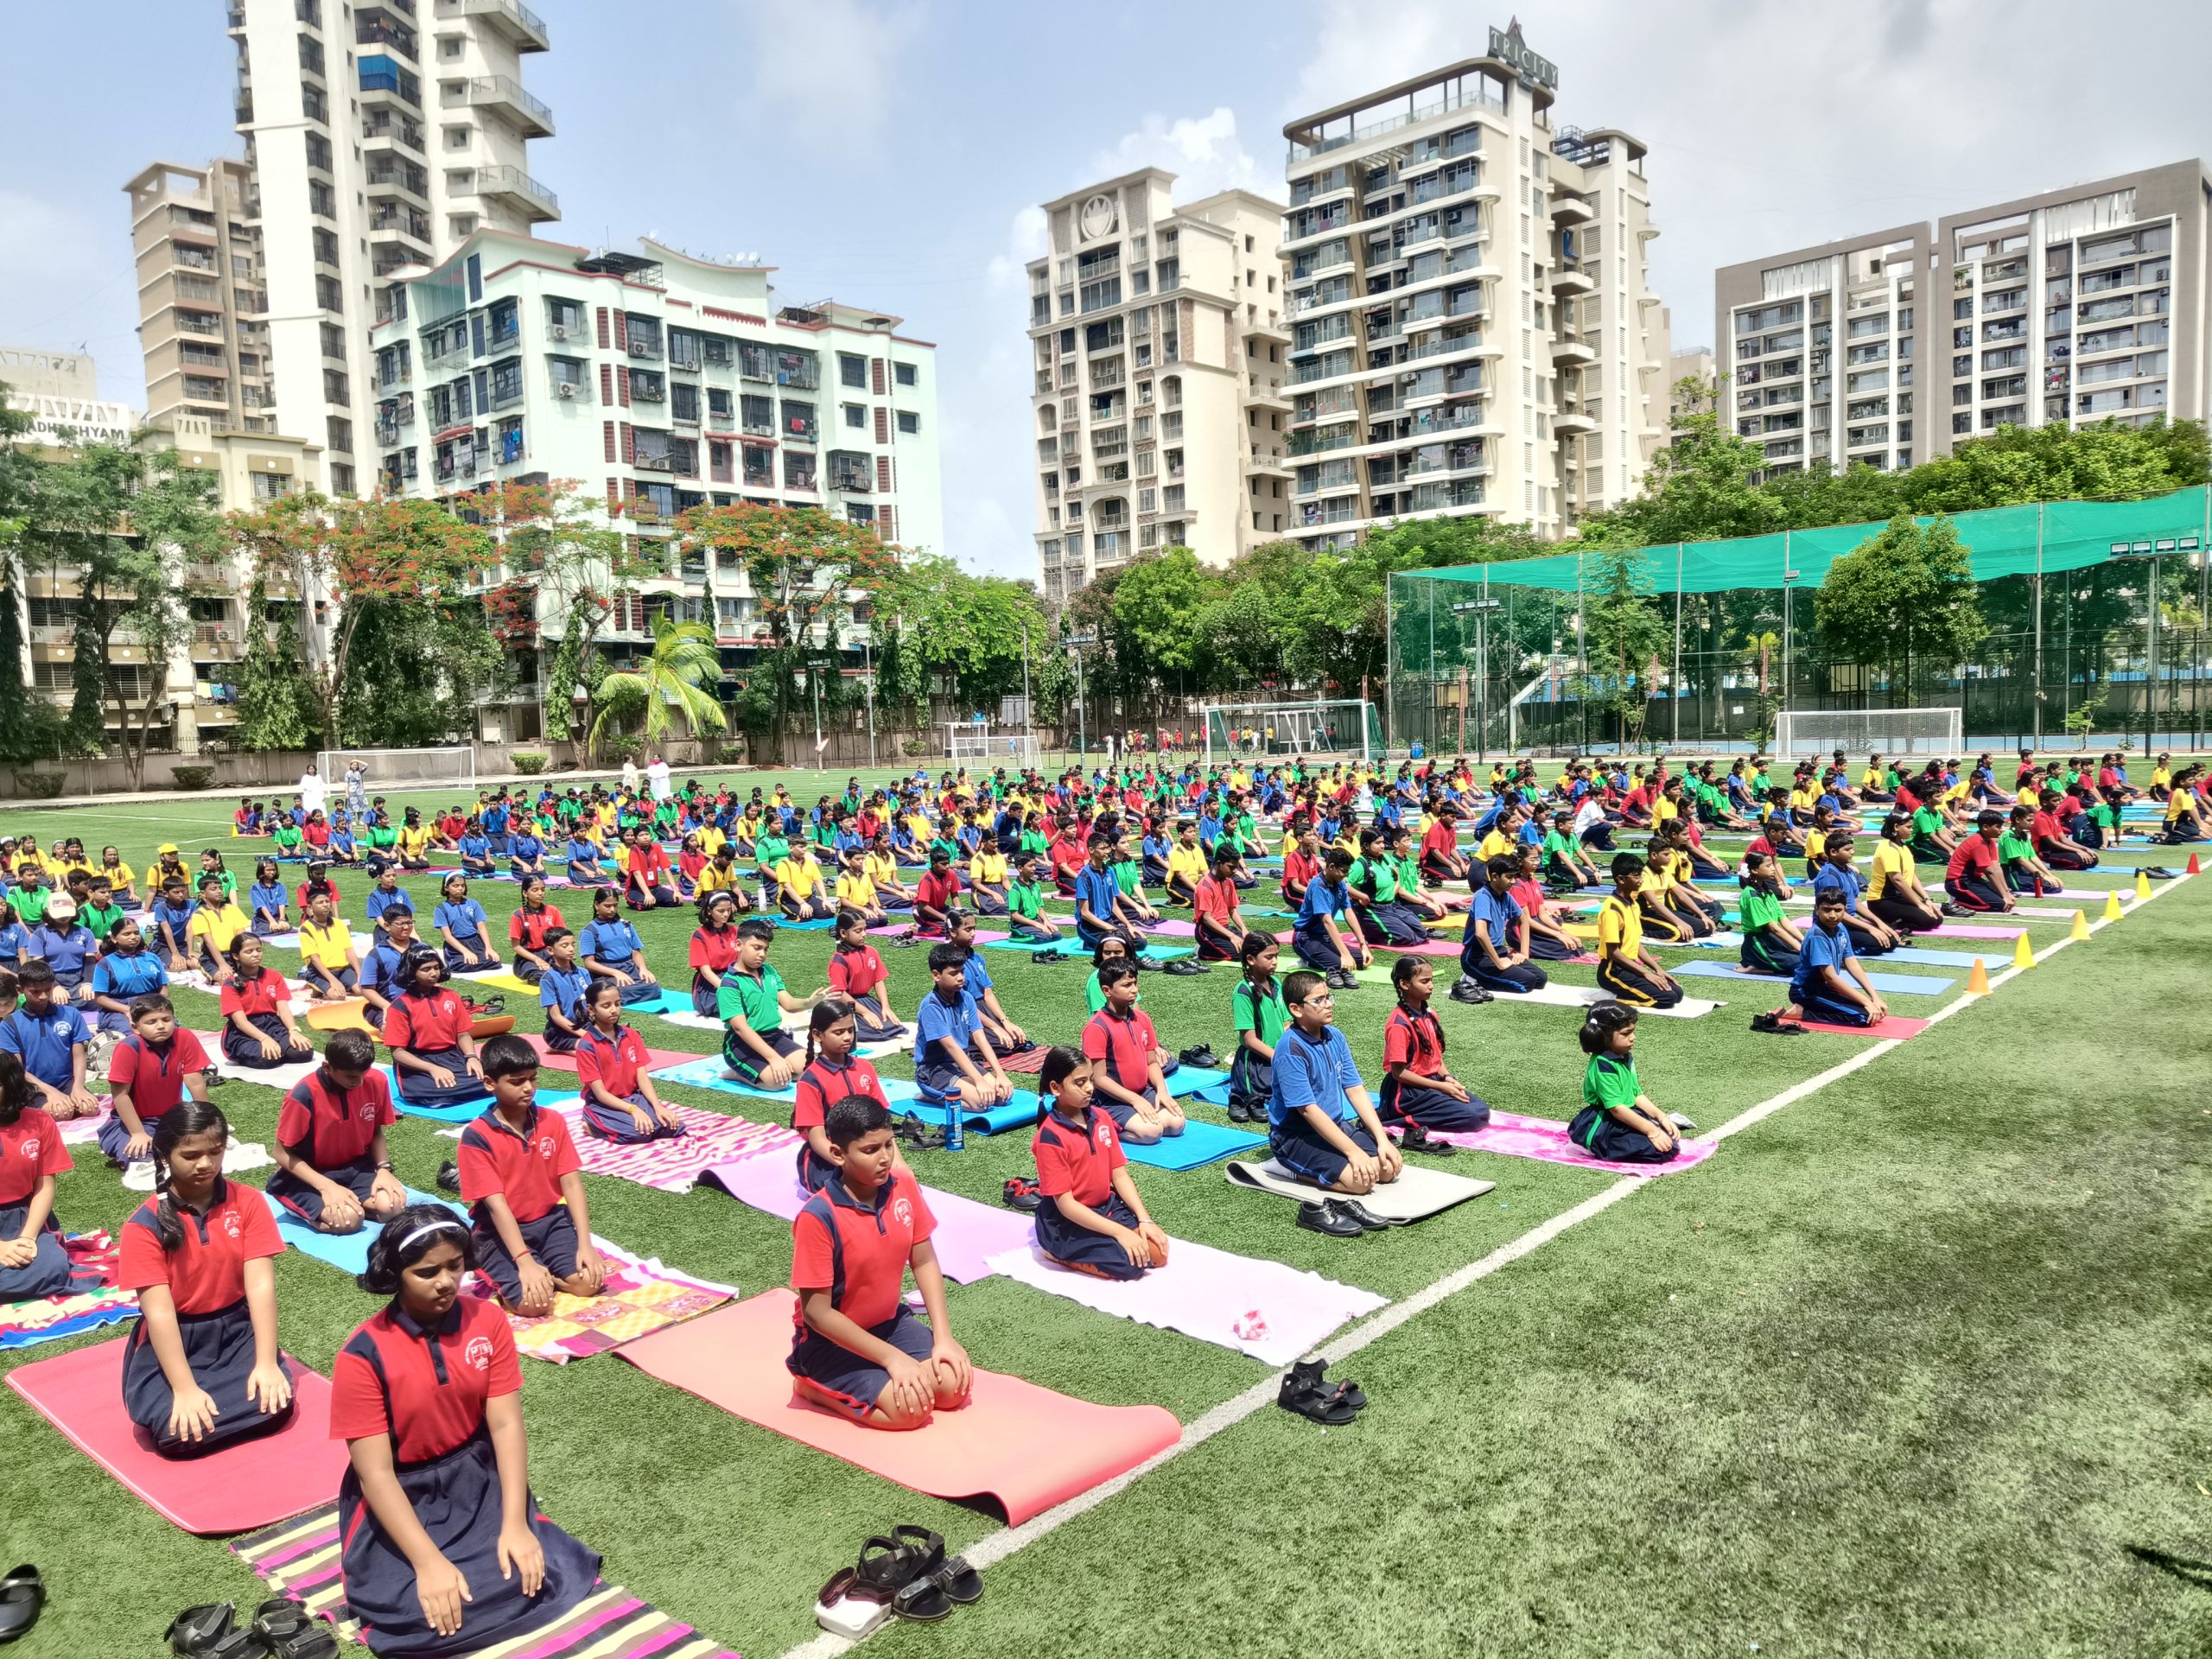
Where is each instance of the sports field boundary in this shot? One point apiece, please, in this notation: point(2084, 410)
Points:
point(999, 1546)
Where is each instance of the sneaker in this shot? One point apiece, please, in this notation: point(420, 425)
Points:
point(139, 1176)
point(448, 1177)
point(1200, 1055)
point(1466, 990)
point(1022, 1193)
point(1184, 967)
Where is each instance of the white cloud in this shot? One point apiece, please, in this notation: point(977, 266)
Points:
point(832, 73)
point(1024, 241)
point(1202, 151)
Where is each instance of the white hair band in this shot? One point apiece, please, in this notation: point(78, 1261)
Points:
point(430, 1227)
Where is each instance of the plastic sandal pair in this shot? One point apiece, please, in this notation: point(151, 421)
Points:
point(22, 1598)
point(281, 1629)
point(909, 1573)
point(1307, 1391)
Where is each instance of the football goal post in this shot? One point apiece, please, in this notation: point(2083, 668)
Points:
point(971, 745)
point(1928, 732)
point(1346, 730)
point(399, 768)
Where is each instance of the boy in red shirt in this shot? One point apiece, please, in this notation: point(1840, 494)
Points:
point(1220, 923)
point(332, 1168)
point(935, 896)
point(1124, 1054)
point(518, 1176)
point(1972, 878)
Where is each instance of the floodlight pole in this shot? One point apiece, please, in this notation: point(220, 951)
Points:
point(1675, 683)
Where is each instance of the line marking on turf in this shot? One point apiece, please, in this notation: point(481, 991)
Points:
point(998, 1546)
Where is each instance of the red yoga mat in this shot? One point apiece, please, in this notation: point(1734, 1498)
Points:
point(1896, 1026)
point(1025, 1448)
point(655, 1057)
point(236, 1490)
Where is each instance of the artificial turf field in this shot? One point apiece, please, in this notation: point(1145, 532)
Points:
point(1914, 1364)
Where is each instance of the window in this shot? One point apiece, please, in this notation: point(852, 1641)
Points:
point(852, 371)
point(904, 374)
point(855, 414)
point(909, 422)
point(684, 402)
point(565, 372)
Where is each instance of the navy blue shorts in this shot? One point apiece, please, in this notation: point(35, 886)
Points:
point(1081, 1248)
point(552, 1238)
point(745, 1060)
point(854, 1382)
point(1119, 1110)
point(303, 1201)
point(1431, 1109)
point(1602, 1136)
point(1310, 1158)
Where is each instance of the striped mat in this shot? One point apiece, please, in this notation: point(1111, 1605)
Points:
point(92, 1302)
point(300, 1558)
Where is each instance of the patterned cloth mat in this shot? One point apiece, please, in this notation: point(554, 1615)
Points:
point(48, 1318)
point(640, 1297)
point(708, 1139)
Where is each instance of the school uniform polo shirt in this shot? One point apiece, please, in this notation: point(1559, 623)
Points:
point(424, 1386)
point(523, 1166)
point(1822, 948)
point(859, 1252)
point(526, 849)
point(612, 942)
point(563, 990)
point(855, 892)
point(937, 1021)
point(1321, 899)
point(649, 865)
point(1097, 892)
point(938, 889)
point(1299, 867)
point(1609, 1085)
point(1845, 880)
point(757, 1001)
point(43, 1042)
point(123, 975)
point(1975, 859)
point(66, 951)
point(1759, 908)
point(380, 901)
point(206, 1272)
point(428, 1025)
point(1077, 1159)
point(465, 920)
point(583, 852)
point(1497, 914)
point(258, 995)
point(1024, 900)
point(1413, 1041)
point(1216, 901)
point(714, 948)
point(825, 1083)
point(1890, 860)
point(615, 1062)
point(154, 1076)
point(219, 927)
point(1189, 863)
point(1620, 930)
point(329, 1126)
point(2014, 848)
point(988, 869)
point(1312, 1071)
point(1126, 1043)
point(30, 1150)
point(1264, 1012)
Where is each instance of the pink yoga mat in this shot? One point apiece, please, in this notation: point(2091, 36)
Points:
point(1024, 1447)
point(1954, 931)
point(1896, 1026)
point(253, 1485)
point(1174, 929)
point(655, 1057)
point(967, 1233)
point(1542, 1137)
point(1426, 948)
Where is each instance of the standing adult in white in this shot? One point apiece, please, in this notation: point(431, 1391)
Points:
point(629, 776)
point(311, 790)
point(657, 777)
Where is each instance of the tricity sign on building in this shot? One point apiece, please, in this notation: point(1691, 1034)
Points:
point(1507, 47)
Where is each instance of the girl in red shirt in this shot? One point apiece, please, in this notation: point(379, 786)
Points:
point(442, 1538)
point(713, 951)
point(690, 860)
point(833, 1072)
point(527, 928)
point(620, 1102)
point(257, 1029)
point(427, 1030)
point(857, 973)
point(32, 1262)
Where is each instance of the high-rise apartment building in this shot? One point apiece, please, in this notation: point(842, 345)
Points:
point(1693, 363)
point(1473, 325)
point(2075, 306)
point(203, 302)
point(1158, 341)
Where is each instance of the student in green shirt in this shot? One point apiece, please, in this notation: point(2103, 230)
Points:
point(1260, 1015)
point(1407, 869)
point(1128, 876)
point(2016, 855)
point(100, 913)
point(30, 896)
point(1770, 940)
point(770, 850)
point(751, 1003)
point(287, 838)
point(1024, 902)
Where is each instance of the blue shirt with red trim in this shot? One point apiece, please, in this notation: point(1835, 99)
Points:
point(206, 1272)
point(859, 1252)
point(1077, 1159)
point(328, 1125)
point(425, 1386)
point(523, 1166)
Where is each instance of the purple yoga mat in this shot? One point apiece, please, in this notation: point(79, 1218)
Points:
point(1173, 929)
point(1954, 931)
point(1542, 1137)
point(967, 1233)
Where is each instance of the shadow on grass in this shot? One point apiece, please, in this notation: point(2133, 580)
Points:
point(2195, 1573)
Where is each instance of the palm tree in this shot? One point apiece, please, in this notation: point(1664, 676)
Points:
point(674, 678)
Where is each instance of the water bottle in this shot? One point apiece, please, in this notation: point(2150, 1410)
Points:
point(955, 1134)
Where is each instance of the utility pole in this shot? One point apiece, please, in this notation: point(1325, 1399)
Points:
point(1076, 642)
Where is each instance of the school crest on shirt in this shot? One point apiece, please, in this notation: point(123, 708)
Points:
point(366, 1111)
point(903, 1209)
point(1102, 1133)
point(477, 1355)
point(231, 1227)
point(545, 1147)
point(30, 1150)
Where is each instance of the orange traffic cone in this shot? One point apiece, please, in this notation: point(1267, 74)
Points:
point(2023, 956)
point(2081, 928)
point(1978, 980)
point(2111, 907)
point(2193, 870)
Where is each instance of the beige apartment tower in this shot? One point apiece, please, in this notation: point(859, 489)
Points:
point(1473, 325)
point(202, 303)
point(1157, 344)
point(2075, 306)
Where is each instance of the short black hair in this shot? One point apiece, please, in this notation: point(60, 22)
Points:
point(754, 927)
point(349, 1051)
point(852, 1117)
point(945, 956)
point(1112, 973)
point(507, 1055)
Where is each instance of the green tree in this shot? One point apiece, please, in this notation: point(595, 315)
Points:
point(1903, 597)
point(275, 702)
point(931, 619)
point(1622, 635)
point(1155, 615)
point(674, 679)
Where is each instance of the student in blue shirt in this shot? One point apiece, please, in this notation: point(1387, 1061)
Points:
point(1870, 935)
point(610, 946)
point(1099, 898)
point(12, 935)
point(954, 1061)
point(386, 896)
point(268, 906)
point(343, 848)
point(380, 976)
point(49, 1037)
point(1209, 828)
point(1154, 849)
point(1494, 948)
point(1324, 936)
point(461, 922)
point(1006, 1038)
point(1321, 1125)
point(562, 991)
point(476, 851)
point(171, 916)
point(126, 971)
point(1823, 988)
point(583, 861)
point(525, 856)
point(64, 944)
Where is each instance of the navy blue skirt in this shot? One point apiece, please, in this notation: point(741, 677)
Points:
point(854, 1382)
point(417, 1086)
point(241, 1050)
point(1431, 1109)
point(1600, 1135)
point(456, 1498)
point(1081, 1248)
point(219, 1347)
point(604, 1123)
point(46, 1273)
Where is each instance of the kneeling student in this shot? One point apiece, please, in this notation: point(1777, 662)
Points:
point(1419, 1090)
point(1822, 989)
point(1494, 949)
point(1617, 1121)
point(32, 1261)
point(1091, 1218)
point(834, 1072)
point(858, 1351)
point(257, 1029)
point(620, 1102)
point(518, 1177)
point(147, 1077)
point(201, 1368)
point(332, 1168)
point(1772, 940)
point(1321, 1126)
point(442, 1539)
point(1124, 1054)
point(1972, 878)
point(753, 1003)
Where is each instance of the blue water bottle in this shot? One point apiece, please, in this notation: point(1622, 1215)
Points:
point(955, 1137)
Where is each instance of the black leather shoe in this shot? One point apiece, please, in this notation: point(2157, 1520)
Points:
point(448, 1177)
point(1360, 1215)
point(1469, 992)
point(1324, 1217)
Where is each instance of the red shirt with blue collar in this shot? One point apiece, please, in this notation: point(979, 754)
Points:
point(1077, 1159)
point(614, 1063)
point(329, 1126)
point(859, 1252)
point(428, 1025)
point(425, 1386)
point(154, 1076)
point(206, 1272)
point(523, 1166)
point(826, 1082)
point(263, 993)
point(30, 1150)
point(1125, 1042)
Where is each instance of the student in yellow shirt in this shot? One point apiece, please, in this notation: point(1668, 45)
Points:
point(987, 876)
point(1623, 967)
point(798, 880)
point(329, 966)
point(1186, 865)
point(1655, 899)
point(711, 839)
point(214, 924)
point(883, 872)
point(856, 889)
point(414, 842)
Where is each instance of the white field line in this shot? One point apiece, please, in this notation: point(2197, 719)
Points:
point(1000, 1545)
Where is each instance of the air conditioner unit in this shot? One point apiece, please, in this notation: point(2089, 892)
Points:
point(560, 331)
point(565, 390)
point(222, 636)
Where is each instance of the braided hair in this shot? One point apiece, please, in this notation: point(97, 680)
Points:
point(186, 1118)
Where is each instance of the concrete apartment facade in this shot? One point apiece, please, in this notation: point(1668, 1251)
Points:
point(203, 300)
point(1474, 326)
point(2077, 305)
point(664, 382)
point(1692, 362)
point(1157, 344)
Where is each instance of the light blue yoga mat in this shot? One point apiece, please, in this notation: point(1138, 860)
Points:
point(1199, 1143)
point(1199, 1082)
point(668, 1002)
point(460, 1112)
point(1019, 1113)
point(1914, 954)
point(784, 925)
point(708, 1073)
point(348, 1252)
point(1898, 984)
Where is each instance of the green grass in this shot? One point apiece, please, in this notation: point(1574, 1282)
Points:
point(1908, 1368)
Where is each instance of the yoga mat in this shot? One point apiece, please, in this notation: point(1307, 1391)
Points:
point(691, 1019)
point(1556, 995)
point(1173, 928)
point(640, 1297)
point(1898, 984)
point(1426, 948)
point(347, 1015)
point(967, 1233)
point(1416, 1193)
point(670, 1002)
point(657, 1059)
point(705, 1072)
point(94, 1302)
point(1261, 1308)
point(983, 935)
point(673, 1165)
point(1019, 1113)
point(1200, 1143)
point(459, 1112)
point(1928, 958)
point(1542, 1137)
point(1896, 1026)
point(1025, 1448)
point(1028, 1062)
point(508, 982)
point(275, 1077)
point(235, 1490)
point(347, 1252)
point(1199, 1082)
point(1954, 931)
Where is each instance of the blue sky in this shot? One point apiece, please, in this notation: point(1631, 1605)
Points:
point(889, 152)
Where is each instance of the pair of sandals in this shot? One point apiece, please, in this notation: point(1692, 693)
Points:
point(1771, 1024)
point(917, 1134)
point(1023, 1194)
point(907, 1572)
point(281, 1628)
point(1186, 968)
point(1413, 1138)
point(1307, 1391)
point(22, 1598)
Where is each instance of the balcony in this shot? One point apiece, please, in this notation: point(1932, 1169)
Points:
point(1569, 277)
point(1572, 210)
point(1573, 421)
point(512, 183)
point(532, 117)
point(1570, 348)
point(375, 31)
point(388, 219)
point(523, 27)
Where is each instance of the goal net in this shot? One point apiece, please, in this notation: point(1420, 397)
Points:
point(456, 764)
point(1937, 733)
point(1346, 730)
point(971, 745)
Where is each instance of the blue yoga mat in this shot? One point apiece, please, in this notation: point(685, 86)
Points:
point(1199, 1082)
point(784, 925)
point(1898, 984)
point(1019, 1113)
point(461, 1112)
point(1913, 953)
point(668, 1002)
point(1199, 1143)
point(1073, 950)
point(708, 1073)
point(348, 1252)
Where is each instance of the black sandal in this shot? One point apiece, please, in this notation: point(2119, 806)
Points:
point(194, 1632)
point(1304, 1392)
point(883, 1574)
point(288, 1631)
point(1413, 1138)
point(22, 1598)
